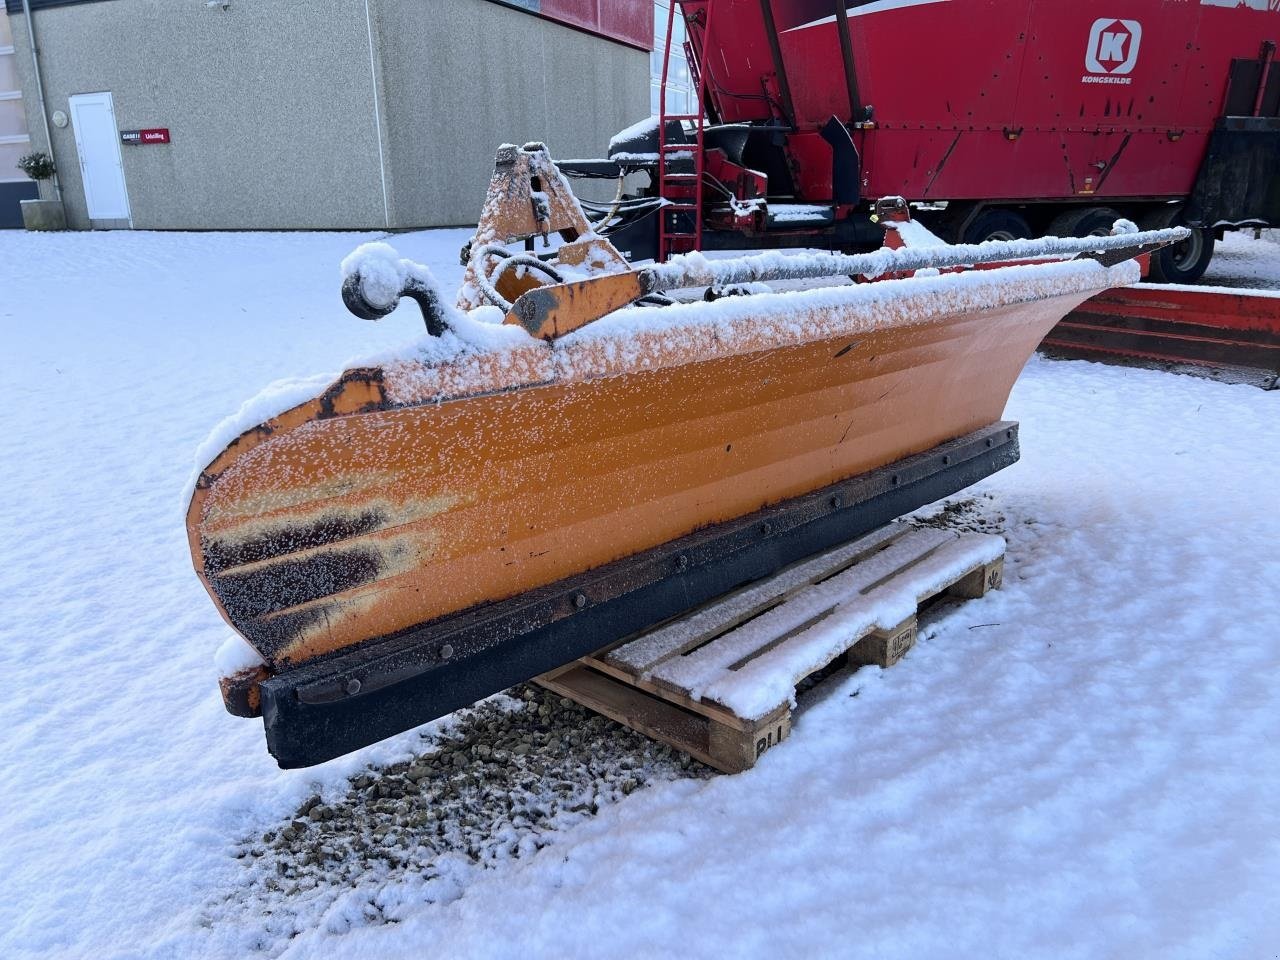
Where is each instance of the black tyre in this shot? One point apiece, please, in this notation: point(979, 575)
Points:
point(996, 223)
point(1084, 222)
point(1183, 262)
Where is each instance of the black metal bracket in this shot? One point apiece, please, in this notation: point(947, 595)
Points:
point(857, 112)
point(427, 298)
point(846, 165)
point(1110, 258)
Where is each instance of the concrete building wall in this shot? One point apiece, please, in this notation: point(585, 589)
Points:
point(270, 106)
point(464, 76)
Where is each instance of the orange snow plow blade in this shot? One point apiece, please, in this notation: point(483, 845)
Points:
point(491, 505)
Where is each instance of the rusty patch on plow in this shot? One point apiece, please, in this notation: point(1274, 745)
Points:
point(274, 636)
point(242, 692)
point(358, 390)
point(292, 582)
point(220, 554)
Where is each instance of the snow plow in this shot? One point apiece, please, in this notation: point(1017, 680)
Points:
point(583, 448)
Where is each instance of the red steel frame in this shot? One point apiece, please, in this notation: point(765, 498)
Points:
point(681, 192)
point(1207, 327)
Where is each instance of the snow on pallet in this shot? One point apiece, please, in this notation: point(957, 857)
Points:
point(719, 682)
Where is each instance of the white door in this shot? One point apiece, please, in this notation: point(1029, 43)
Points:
point(98, 143)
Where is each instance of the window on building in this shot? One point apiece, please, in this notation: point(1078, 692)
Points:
point(14, 141)
point(681, 95)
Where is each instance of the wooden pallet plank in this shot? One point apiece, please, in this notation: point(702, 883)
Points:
point(667, 692)
point(813, 614)
point(633, 708)
point(979, 582)
point(884, 648)
point(728, 749)
point(684, 634)
point(854, 601)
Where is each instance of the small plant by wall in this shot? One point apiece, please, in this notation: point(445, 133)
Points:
point(37, 166)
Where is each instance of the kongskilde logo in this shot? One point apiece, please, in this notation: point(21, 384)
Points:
point(1112, 51)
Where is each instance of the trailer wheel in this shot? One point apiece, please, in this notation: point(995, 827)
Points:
point(1084, 222)
point(996, 223)
point(1183, 262)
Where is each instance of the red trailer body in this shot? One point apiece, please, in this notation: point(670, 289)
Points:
point(1019, 115)
point(993, 99)
point(1030, 101)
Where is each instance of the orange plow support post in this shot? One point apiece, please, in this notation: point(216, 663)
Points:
point(505, 497)
point(1214, 331)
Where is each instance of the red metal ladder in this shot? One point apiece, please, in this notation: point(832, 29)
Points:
point(681, 192)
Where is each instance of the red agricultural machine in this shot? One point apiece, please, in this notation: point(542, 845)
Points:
point(995, 119)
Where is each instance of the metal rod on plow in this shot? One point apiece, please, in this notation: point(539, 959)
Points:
point(552, 311)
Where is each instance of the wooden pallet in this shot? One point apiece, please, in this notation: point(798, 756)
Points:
point(718, 682)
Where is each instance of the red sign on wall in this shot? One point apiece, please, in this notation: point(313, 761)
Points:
point(153, 135)
point(627, 21)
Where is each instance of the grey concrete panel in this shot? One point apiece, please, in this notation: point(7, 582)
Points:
point(269, 106)
point(464, 76)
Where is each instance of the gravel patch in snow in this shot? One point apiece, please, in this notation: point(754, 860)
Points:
point(968, 514)
point(488, 789)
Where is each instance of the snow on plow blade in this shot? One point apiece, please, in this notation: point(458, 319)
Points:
point(535, 481)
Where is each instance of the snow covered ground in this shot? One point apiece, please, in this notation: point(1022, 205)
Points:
point(1239, 260)
point(1082, 764)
